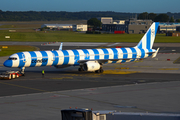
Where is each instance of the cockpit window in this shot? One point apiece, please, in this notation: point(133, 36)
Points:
point(12, 58)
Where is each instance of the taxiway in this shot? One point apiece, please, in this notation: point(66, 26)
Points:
point(150, 85)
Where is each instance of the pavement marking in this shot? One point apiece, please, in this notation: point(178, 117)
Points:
point(82, 96)
point(142, 66)
point(168, 68)
point(118, 72)
point(32, 105)
point(63, 78)
point(55, 108)
point(177, 61)
point(24, 87)
point(122, 68)
point(118, 106)
point(113, 44)
point(139, 61)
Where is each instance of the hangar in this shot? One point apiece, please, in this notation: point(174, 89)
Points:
point(59, 26)
point(169, 27)
point(80, 27)
point(138, 26)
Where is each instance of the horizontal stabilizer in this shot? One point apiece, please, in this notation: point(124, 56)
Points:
point(155, 54)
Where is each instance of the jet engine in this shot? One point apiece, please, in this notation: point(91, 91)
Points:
point(91, 66)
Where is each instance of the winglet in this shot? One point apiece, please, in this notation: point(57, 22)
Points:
point(60, 47)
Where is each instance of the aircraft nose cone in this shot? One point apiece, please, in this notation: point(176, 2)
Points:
point(8, 63)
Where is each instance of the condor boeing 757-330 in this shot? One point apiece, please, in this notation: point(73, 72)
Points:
point(87, 59)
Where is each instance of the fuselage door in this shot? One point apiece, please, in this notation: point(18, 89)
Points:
point(53, 57)
point(23, 58)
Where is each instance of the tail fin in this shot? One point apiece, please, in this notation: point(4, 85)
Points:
point(148, 39)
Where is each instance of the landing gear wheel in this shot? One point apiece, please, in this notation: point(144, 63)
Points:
point(80, 69)
point(101, 70)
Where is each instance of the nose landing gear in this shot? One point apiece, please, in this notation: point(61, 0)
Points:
point(22, 71)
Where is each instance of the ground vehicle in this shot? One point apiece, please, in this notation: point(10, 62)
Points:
point(8, 75)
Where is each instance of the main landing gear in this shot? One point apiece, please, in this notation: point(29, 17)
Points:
point(81, 68)
point(99, 71)
point(96, 71)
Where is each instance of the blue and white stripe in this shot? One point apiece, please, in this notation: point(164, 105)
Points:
point(71, 57)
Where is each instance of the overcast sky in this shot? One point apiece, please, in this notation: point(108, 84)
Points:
point(132, 6)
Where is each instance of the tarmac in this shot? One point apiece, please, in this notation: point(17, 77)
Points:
point(150, 85)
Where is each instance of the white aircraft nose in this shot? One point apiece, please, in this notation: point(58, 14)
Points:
point(8, 63)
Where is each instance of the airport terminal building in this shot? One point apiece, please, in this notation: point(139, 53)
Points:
point(59, 26)
point(134, 26)
point(138, 26)
point(131, 26)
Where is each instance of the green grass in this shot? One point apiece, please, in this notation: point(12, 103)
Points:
point(67, 36)
point(11, 49)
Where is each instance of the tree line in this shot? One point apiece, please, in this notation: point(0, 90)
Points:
point(159, 17)
point(55, 16)
point(85, 15)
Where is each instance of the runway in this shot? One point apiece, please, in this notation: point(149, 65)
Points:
point(150, 85)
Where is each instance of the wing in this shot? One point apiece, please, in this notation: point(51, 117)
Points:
point(103, 60)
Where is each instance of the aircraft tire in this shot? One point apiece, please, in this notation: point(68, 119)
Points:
point(80, 69)
point(101, 70)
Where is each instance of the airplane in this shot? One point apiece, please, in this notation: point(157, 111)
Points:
point(87, 59)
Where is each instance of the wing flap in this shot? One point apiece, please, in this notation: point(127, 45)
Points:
point(102, 61)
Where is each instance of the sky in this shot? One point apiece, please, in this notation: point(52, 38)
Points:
point(132, 6)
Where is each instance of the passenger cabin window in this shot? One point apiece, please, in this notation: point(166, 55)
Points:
point(12, 59)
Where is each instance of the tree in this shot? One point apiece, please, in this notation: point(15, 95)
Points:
point(152, 16)
point(171, 20)
point(94, 22)
point(178, 20)
point(162, 18)
point(143, 16)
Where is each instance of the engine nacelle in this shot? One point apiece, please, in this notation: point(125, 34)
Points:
point(91, 66)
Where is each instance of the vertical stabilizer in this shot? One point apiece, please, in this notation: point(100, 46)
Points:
point(148, 39)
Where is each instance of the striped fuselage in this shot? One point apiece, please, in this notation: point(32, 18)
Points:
point(72, 57)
